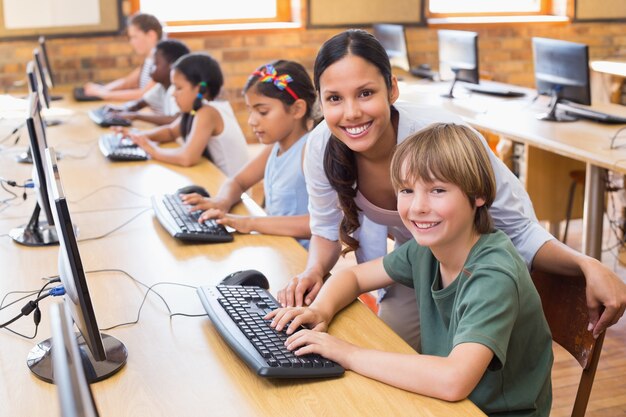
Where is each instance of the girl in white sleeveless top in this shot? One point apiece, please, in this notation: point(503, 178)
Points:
point(280, 97)
point(208, 128)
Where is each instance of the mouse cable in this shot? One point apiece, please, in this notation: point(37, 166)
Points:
point(90, 149)
point(117, 228)
point(149, 289)
point(97, 190)
point(13, 132)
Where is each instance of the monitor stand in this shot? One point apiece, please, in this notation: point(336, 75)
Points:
point(35, 233)
point(450, 94)
point(39, 359)
point(552, 115)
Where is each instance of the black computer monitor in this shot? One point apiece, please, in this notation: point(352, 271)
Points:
point(458, 57)
point(393, 39)
point(41, 80)
point(102, 354)
point(36, 232)
point(75, 397)
point(47, 69)
point(561, 71)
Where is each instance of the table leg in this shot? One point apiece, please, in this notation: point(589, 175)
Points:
point(593, 210)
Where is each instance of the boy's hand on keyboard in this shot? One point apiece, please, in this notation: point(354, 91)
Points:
point(307, 342)
point(298, 316)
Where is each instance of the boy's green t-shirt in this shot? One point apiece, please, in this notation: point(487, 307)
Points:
point(492, 302)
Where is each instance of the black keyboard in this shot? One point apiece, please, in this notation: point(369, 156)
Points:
point(237, 313)
point(118, 148)
point(79, 95)
point(593, 115)
point(175, 217)
point(423, 71)
point(493, 90)
point(104, 118)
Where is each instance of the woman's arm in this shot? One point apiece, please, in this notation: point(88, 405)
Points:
point(293, 226)
point(604, 287)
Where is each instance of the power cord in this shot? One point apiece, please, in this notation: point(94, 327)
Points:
point(32, 306)
point(97, 190)
point(615, 137)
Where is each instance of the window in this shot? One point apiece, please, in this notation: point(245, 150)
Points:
point(194, 12)
point(438, 8)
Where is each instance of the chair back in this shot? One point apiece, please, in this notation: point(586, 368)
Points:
point(565, 307)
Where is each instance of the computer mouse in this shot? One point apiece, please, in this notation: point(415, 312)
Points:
point(248, 277)
point(190, 189)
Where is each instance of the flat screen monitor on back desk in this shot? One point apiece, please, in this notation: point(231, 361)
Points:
point(393, 38)
point(562, 72)
point(458, 61)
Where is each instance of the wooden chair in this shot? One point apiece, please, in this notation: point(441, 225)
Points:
point(565, 307)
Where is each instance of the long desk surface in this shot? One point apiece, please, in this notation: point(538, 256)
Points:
point(515, 119)
point(178, 366)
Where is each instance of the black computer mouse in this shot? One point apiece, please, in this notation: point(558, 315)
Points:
point(249, 277)
point(190, 189)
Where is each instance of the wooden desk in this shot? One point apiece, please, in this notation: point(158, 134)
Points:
point(607, 80)
point(586, 143)
point(177, 367)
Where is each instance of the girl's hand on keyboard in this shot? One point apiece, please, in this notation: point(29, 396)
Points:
point(242, 224)
point(298, 316)
point(199, 202)
point(307, 342)
point(143, 142)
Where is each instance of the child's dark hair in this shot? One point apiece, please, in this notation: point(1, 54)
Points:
point(197, 68)
point(146, 22)
point(450, 153)
point(300, 85)
point(172, 49)
point(339, 160)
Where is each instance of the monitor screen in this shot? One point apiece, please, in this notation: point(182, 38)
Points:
point(103, 355)
point(36, 232)
point(458, 55)
point(39, 72)
point(393, 39)
point(47, 69)
point(562, 69)
point(75, 397)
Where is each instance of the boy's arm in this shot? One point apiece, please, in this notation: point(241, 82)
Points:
point(450, 378)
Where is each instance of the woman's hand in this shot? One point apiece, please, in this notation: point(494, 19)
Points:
point(301, 290)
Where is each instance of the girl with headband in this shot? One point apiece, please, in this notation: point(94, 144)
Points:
point(208, 127)
point(280, 98)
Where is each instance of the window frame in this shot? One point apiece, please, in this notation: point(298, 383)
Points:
point(283, 14)
point(545, 9)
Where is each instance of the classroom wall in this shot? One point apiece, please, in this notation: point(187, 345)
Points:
point(505, 53)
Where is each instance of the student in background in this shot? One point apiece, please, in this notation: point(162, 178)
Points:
point(347, 174)
point(484, 333)
point(144, 31)
point(280, 98)
point(160, 98)
point(207, 126)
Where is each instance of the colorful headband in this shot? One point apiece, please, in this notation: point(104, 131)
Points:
point(268, 74)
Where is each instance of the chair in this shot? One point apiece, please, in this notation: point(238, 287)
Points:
point(565, 307)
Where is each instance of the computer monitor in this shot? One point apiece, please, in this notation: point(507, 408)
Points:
point(562, 72)
point(75, 397)
point(41, 80)
point(102, 354)
point(47, 69)
point(393, 39)
point(36, 232)
point(458, 57)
